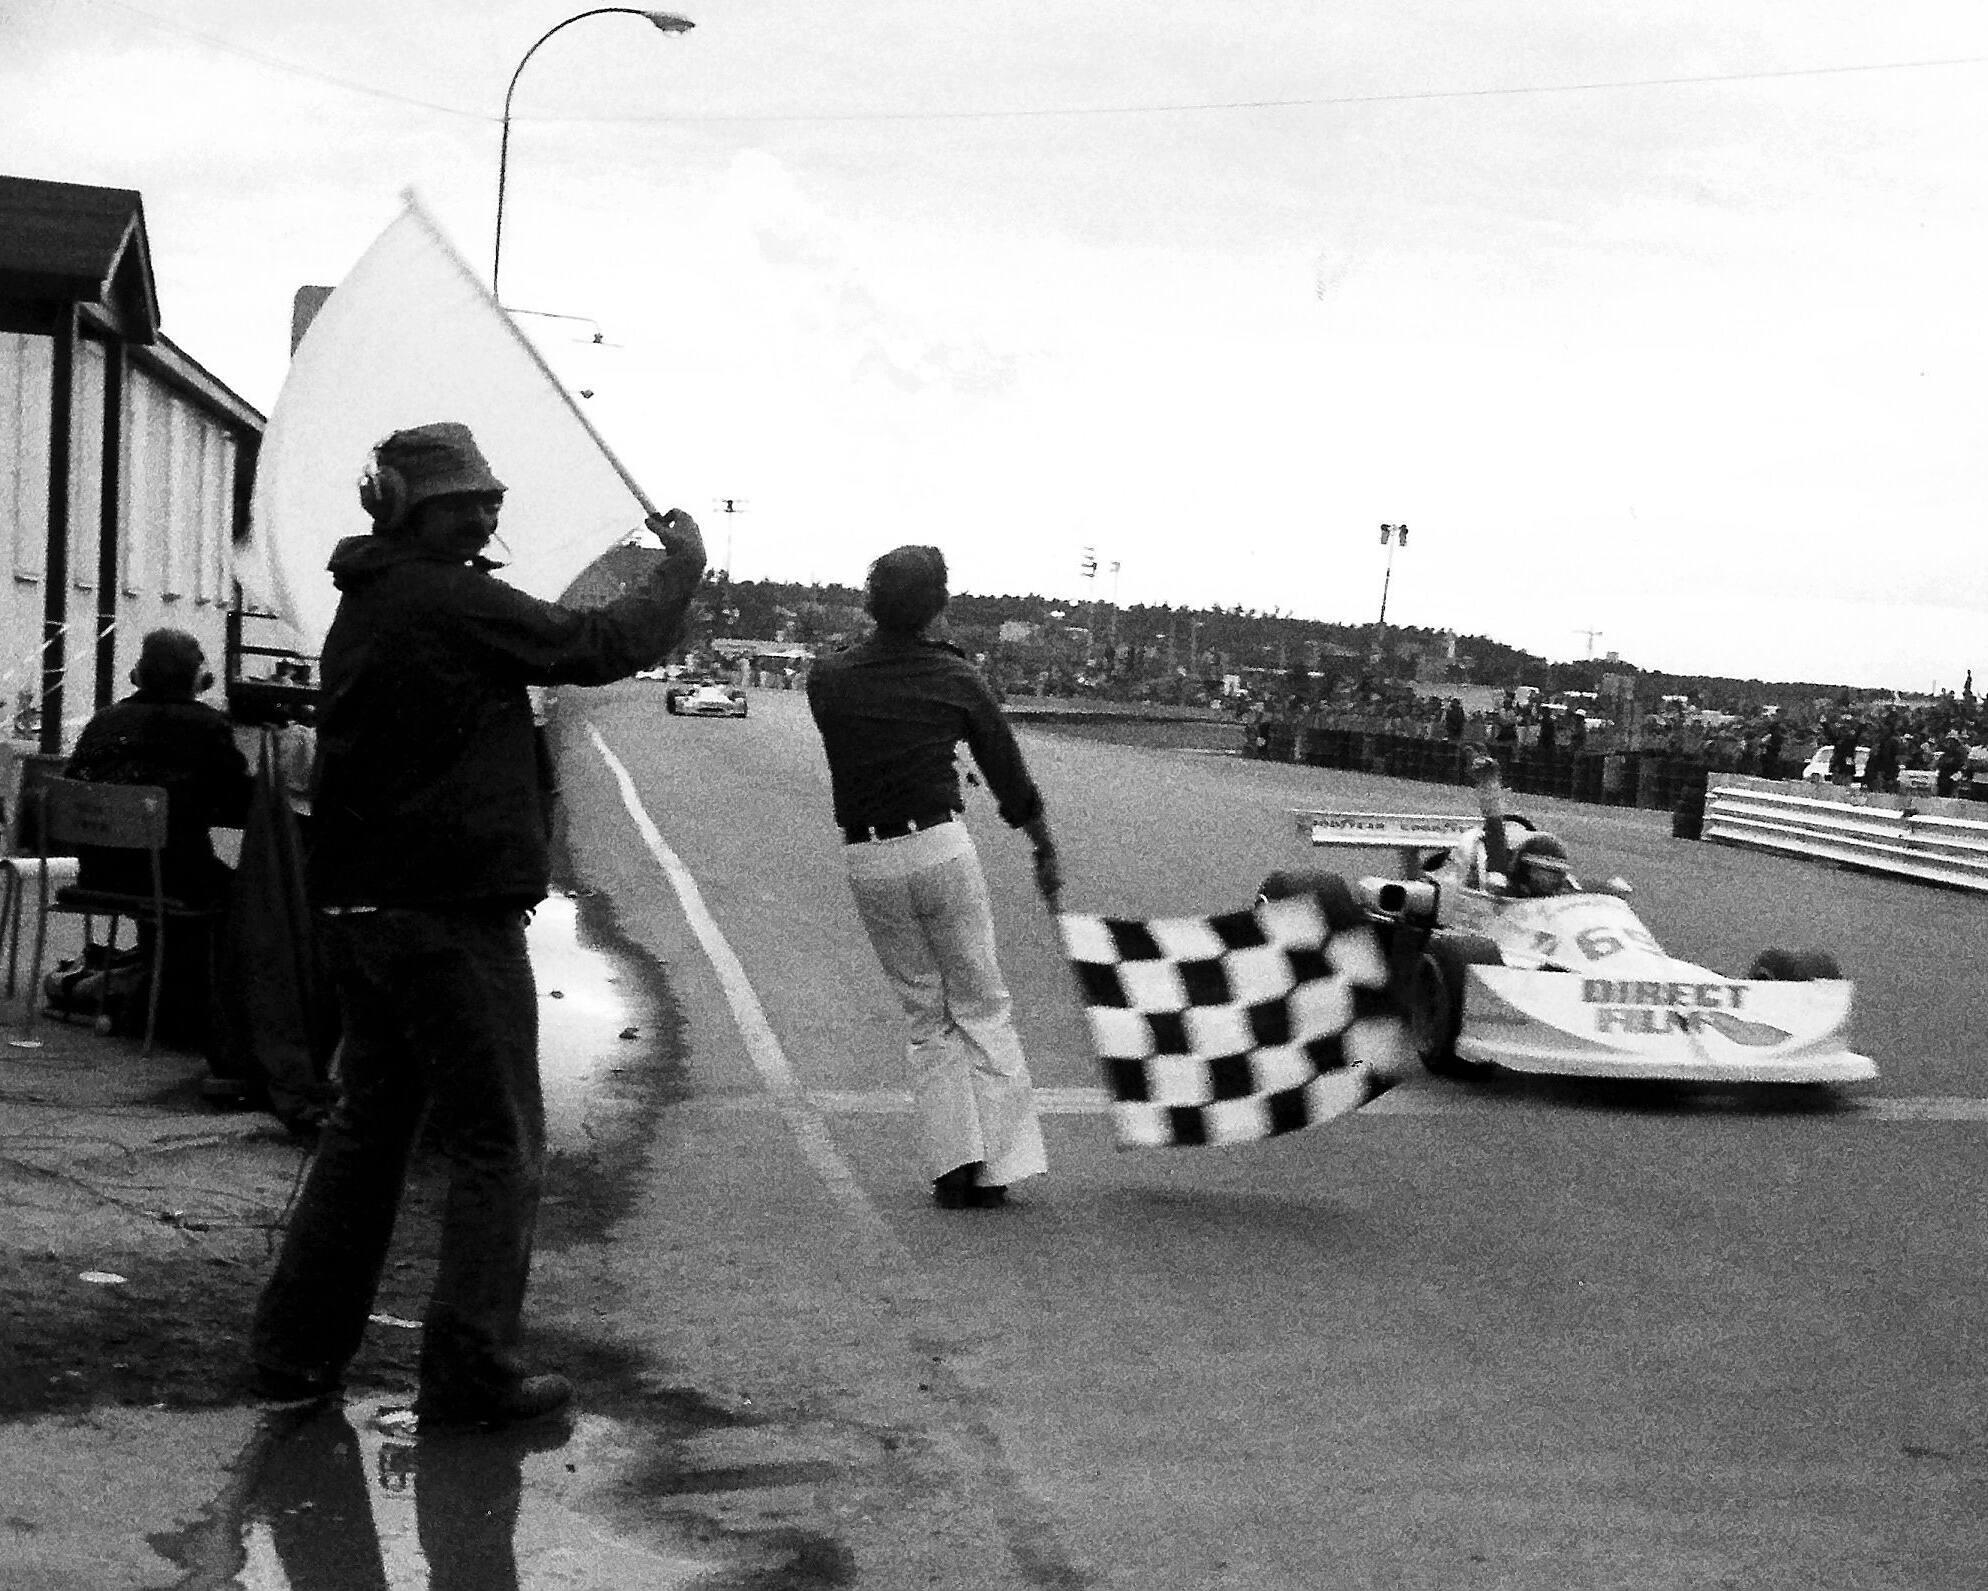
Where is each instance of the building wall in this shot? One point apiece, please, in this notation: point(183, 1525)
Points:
point(26, 381)
point(173, 546)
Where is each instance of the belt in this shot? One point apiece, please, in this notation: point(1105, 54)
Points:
point(863, 833)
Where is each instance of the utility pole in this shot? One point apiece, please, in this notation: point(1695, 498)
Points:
point(1114, 607)
point(1088, 565)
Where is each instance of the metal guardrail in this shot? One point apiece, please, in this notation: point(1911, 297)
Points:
point(1938, 840)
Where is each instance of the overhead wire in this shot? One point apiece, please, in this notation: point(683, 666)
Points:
point(1045, 112)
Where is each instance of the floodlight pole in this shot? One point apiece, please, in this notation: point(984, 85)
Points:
point(1389, 539)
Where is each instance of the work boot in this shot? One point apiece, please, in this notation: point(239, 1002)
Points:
point(271, 1384)
point(527, 1400)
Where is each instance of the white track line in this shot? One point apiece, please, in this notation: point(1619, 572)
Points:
point(1407, 1100)
point(803, 1118)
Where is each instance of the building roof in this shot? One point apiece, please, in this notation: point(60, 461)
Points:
point(64, 243)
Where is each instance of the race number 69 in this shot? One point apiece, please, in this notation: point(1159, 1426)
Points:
point(1597, 943)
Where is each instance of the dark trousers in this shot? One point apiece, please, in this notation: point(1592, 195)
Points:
point(440, 1020)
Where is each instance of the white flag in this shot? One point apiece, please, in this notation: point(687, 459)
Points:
point(413, 336)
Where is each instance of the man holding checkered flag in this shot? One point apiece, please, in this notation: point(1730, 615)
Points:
point(892, 711)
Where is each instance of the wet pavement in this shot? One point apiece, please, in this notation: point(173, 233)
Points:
point(106, 1152)
point(328, 1497)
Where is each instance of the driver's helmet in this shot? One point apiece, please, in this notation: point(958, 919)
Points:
point(1540, 866)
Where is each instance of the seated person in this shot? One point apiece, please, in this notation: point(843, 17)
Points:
point(1539, 864)
point(162, 735)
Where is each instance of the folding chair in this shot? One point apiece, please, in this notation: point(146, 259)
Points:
point(132, 817)
point(21, 867)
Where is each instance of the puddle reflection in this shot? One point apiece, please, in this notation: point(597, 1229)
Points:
point(333, 1505)
point(586, 1002)
point(337, 1507)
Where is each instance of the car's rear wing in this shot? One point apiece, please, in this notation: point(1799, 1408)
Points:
point(1410, 835)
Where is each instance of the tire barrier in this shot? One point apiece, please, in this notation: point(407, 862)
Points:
point(1939, 841)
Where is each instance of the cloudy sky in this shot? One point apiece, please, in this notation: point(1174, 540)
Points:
point(1660, 325)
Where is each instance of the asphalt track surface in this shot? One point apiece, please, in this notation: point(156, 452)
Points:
point(1507, 1335)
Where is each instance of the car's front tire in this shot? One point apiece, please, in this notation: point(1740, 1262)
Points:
point(1777, 965)
point(1433, 1000)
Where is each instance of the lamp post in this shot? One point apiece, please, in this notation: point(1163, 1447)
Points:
point(1391, 537)
point(663, 21)
point(729, 507)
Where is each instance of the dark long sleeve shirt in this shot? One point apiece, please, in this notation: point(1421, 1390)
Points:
point(891, 711)
point(429, 787)
point(187, 748)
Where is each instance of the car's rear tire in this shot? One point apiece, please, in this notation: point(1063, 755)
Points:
point(1777, 965)
point(1432, 1001)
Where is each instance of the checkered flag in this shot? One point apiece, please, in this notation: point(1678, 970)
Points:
point(1217, 1030)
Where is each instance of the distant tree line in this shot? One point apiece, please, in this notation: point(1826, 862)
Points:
point(1141, 645)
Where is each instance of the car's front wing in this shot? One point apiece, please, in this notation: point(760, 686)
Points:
point(1697, 1029)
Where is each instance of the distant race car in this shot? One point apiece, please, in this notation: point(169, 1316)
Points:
point(704, 699)
point(1571, 984)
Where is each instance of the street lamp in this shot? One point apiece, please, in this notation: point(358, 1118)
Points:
point(729, 506)
point(663, 21)
point(1391, 537)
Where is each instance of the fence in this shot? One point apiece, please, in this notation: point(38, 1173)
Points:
point(1641, 778)
point(1937, 840)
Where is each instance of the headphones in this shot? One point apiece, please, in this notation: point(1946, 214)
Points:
point(202, 684)
point(383, 493)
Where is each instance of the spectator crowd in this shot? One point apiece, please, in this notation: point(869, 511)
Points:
point(1875, 748)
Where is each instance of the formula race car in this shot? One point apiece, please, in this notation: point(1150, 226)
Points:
point(704, 699)
point(1569, 984)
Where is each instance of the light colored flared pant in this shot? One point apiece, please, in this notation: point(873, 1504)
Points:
point(923, 899)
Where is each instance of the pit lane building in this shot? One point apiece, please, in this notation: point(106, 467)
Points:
point(125, 467)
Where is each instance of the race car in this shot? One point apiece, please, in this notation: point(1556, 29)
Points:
point(704, 699)
point(1571, 984)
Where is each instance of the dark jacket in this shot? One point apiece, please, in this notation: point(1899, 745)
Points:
point(1881, 772)
point(187, 748)
point(891, 711)
point(428, 789)
point(1947, 769)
